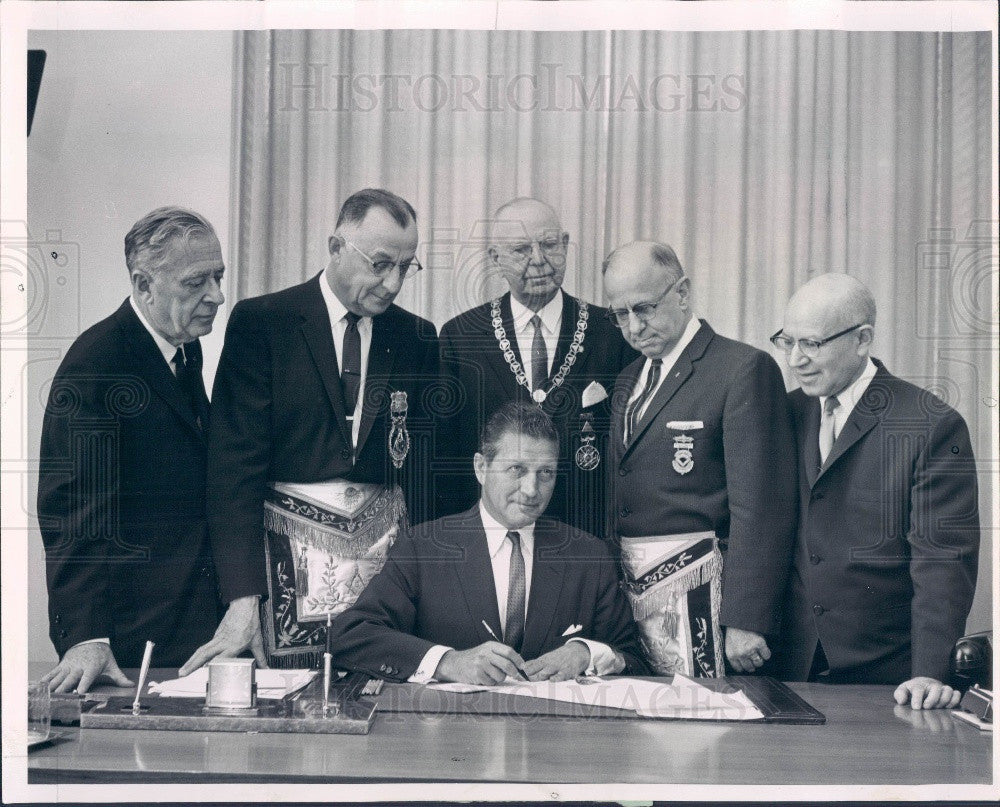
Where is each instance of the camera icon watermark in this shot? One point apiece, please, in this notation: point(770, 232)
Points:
point(956, 276)
point(40, 283)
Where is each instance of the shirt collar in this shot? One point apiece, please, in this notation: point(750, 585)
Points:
point(550, 314)
point(335, 308)
point(690, 331)
point(168, 350)
point(851, 394)
point(496, 533)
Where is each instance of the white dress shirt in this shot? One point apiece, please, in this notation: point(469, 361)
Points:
point(849, 397)
point(603, 660)
point(690, 330)
point(168, 350)
point(551, 320)
point(338, 324)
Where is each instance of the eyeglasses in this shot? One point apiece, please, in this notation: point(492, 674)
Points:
point(552, 245)
point(642, 311)
point(382, 268)
point(808, 347)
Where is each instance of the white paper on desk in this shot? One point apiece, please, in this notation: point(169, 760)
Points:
point(687, 699)
point(271, 684)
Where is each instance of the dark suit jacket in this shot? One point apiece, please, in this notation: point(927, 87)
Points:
point(437, 588)
point(121, 500)
point(742, 486)
point(885, 564)
point(481, 380)
point(278, 416)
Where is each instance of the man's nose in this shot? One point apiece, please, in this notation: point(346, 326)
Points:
point(635, 324)
point(529, 485)
point(796, 358)
point(537, 256)
point(393, 281)
point(215, 295)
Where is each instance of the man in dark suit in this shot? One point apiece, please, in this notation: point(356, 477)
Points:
point(702, 474)
point(121, 491)
point(496, 591)
point(303, 395)
point(535, 343)
point(885, 563)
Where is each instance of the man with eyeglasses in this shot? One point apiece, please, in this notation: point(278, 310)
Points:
point(885, 562)
point(319, 443)
point(535, 343)
point(702, 474)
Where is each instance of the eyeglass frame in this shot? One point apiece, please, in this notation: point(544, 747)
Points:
point(815, 344)
point(404, 273)
point(512, 245)
point(614, 313)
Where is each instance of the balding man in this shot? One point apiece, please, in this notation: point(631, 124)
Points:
point(535, 343)
point(121, 488)
point(885, 563)
point(702, 474)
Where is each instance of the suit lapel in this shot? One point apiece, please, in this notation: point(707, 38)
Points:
point(475, 575)
point(494, 355)
point(679, 373)
point(381, 355)
point(547, 575)
point(863, 419)
point(624, 385)
point(567, 327)
point(318, 333)
point(152, 367)
point(810, 440)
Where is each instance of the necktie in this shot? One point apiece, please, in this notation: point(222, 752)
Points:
point(539, 356)
point(350, 365)
point(187, 360)
point(513, 631)
point(827, 423)
point(634, 408)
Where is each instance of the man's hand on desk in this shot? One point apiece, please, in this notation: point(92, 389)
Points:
point(487, 664)
point(745, 649)
point(560, 664)
point(238, 630)
point(926, 693)
point(82, 664)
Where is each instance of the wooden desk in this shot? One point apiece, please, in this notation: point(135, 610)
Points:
point(867, 740)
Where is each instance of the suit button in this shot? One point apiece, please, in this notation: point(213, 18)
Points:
point(62, 634)
point(345, 454)
point(57, 619)
point(624, 512)
point(622, 471)
point(818, 609)
point(814, 559)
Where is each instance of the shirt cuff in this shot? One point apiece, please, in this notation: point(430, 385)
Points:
point(603, 660)
point(102, 640)
point(428, 665)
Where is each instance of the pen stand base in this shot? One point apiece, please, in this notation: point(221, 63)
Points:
point(303, 716)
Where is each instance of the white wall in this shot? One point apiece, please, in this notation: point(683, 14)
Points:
point(125, 122)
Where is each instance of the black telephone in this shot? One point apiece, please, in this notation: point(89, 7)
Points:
point(972, 673)
point(972, 661)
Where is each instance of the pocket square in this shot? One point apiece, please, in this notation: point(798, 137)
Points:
point(572, 629)
point(594, 393)
point(685, 425)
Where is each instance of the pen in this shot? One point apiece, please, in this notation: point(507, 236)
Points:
point(147, 655)
point(486, 625)
point(326, 681)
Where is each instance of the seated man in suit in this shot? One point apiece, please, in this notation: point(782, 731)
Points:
point(885, 562)
point(495, 592)
point(121, 490)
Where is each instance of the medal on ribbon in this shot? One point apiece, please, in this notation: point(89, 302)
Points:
point(587, 455)
point(399, 437)
point(683, 453)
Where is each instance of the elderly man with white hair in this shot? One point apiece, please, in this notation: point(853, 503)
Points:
point(885, 562)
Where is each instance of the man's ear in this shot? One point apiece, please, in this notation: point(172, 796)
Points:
point(866, 335)
point(684, 292)
point(565, 240)
point(494, 255)
point(479, 465)
point(335, 243)
point(141, 284)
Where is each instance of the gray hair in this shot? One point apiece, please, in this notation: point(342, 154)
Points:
point(659, 253)
point(515, 418)
point(152, 236)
